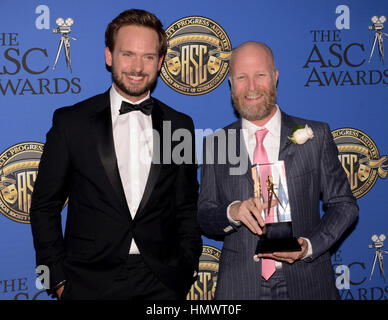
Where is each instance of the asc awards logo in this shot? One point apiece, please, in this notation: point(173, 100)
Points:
point(197, 59)
point(18, 171)
point(360, 159)
point(205, 286)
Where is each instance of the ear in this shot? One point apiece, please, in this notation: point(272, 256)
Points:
point(160, 63)
point(108, 57)
point(230, 80)
point(276, 76)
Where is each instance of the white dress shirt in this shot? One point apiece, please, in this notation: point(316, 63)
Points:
point(271, 141)
point(133, 141)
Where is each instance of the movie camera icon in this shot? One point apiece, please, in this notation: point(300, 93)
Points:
point(64, 29)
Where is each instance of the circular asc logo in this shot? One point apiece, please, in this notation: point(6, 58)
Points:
point(205, 286)
point(360, 159)
point(197, 59)
point(18, 171)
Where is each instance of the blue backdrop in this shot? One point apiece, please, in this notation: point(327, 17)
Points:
point(321, 49)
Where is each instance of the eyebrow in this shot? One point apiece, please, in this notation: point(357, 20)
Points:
point(145, 54)
point(256, 71)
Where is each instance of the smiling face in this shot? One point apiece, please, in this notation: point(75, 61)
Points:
point(253, 79)
point(174, 66)
point(135, 61)
point(10, 194)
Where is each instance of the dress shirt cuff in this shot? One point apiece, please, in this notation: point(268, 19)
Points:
point(231, 221)
point(234, 222)
point(309, 249)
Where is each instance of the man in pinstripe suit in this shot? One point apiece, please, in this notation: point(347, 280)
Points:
point(228, 208)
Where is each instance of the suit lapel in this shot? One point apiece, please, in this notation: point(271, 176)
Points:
point(103, 134)
point(157, 155)
point(241, 151)
point(286, 150)
point(287, 153)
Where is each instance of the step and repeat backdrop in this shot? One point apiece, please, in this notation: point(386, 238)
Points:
point(331, 62)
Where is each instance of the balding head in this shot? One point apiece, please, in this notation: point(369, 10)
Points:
point(252, 48)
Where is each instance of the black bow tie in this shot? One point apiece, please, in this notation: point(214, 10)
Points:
point(145, 107)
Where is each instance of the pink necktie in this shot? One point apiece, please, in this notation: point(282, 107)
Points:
point(260, 157)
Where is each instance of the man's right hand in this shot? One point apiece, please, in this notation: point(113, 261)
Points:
point(249, 213)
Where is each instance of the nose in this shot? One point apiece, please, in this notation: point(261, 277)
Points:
point(138, 65)
point(251, 84)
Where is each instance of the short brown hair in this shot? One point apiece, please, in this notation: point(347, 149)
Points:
point(136, 17)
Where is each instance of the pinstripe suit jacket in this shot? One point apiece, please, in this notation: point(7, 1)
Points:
point(314, 176)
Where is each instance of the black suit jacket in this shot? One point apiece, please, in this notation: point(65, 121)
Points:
point(79, 164)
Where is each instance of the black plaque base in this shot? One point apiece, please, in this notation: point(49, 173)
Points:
point(277, 238)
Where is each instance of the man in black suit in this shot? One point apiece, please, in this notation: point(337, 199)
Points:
point(131, 230)
point(227, 205)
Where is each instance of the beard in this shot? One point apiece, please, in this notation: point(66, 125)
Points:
point(133, 90)
point(258, 111)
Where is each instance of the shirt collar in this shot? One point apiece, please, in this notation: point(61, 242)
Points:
point(116, 99)
point(273, 125)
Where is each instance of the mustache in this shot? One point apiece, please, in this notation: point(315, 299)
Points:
point(256, 92)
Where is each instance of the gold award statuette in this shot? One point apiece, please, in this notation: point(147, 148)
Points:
point(272, 193)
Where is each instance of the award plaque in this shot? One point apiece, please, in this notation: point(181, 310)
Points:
point(270, 185)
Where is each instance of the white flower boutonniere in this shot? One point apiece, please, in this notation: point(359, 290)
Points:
point(301, 134)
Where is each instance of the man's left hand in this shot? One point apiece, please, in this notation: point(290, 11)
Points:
point(289, 257)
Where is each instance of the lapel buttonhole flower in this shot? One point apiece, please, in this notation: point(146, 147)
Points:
point(301, 134)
